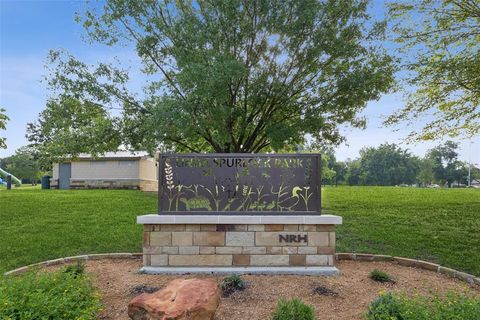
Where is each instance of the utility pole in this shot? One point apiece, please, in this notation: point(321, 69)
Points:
point(470, 164)
point(469, 178)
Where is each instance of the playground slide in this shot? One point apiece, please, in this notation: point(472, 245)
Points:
point(15, 180)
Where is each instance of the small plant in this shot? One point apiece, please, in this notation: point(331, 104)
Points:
point(385, 307)
point(48, 295)
point(232, 284)
point(380, 276)
point(76, 269)
point(399, 306)
point(293, 309)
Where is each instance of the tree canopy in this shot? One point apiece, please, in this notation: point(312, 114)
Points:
point(22, 164)
point(3, 126)
point(387, 165)
point(230, 76)
point(446, 166)
point(441, 57)
point(68, 127)
point(425, 175)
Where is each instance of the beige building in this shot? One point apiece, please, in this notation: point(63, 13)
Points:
point(113, 170)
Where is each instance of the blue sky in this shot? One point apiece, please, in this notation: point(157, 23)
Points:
point(29, 29)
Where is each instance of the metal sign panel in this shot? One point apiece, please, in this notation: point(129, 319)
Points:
point(250, 184)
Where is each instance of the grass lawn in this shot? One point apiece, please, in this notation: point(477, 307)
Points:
point(437, 225)
point(37, 225)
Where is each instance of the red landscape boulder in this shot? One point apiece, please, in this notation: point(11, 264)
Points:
point(181, 299)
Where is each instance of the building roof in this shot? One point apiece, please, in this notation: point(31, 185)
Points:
point(115, 155)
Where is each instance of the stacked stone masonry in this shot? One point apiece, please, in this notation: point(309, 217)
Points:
point(184, 245)
point(144, 185)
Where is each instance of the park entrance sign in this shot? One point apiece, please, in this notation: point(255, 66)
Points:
point(239, 213)
point(239, 184)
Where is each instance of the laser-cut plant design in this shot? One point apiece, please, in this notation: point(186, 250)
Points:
point(231, 197)
point(215, 194)
point(180, 193)
point(169, 182)
point(246, 198)
point(175, 191)
point(265, 185)
point(259, 204)
point(228, 205)
point(280, 193)
point(306, 196)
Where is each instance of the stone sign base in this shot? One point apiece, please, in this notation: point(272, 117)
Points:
point(239, 244)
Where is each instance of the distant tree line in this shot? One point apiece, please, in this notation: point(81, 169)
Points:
point(390, 165)
point(386, 165)
point(23, 165)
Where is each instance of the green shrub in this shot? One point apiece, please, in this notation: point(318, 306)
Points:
point(380, 276)
point(293, 309)
point(231, 284)
point(76, 269)
point(385, 306)
point(48, 295)
point(401, 307)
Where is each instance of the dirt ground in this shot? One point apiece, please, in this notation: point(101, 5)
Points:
point(354, 290)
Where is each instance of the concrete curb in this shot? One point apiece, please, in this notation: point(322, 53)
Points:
point(421, 264)
point(95, 256)
point(305, 271)
point(468, 278)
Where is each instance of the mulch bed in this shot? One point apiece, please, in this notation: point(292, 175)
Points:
point(344, 297)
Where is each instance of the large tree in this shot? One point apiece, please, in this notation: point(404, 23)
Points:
point(233, 75)
point(441, 59)
point(67, 127)
point(353, 173)
point(425, 175)
point(333, 171)
point(3, 126)
point(387, 165)
point(446, 166)
point(474, 173)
